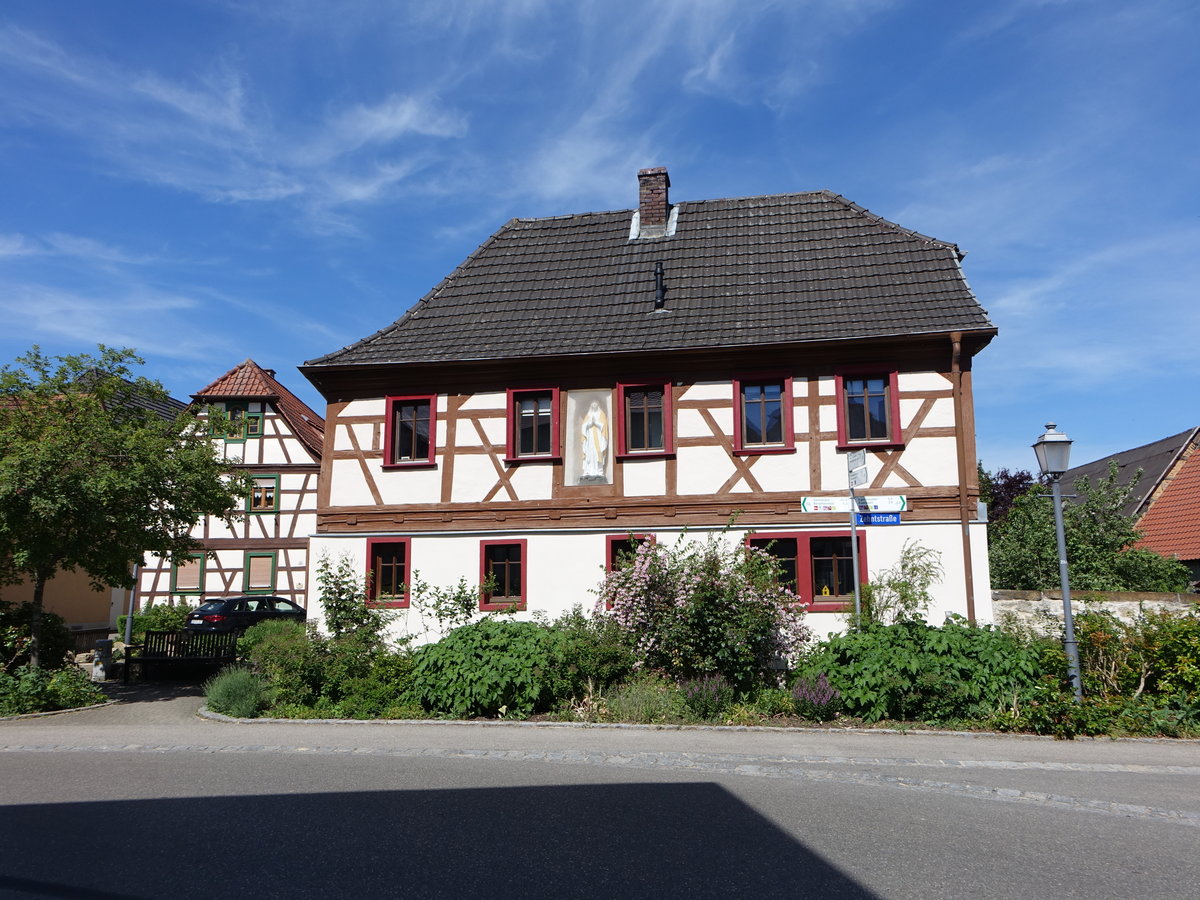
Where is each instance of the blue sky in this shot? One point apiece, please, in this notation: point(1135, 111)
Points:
point(207, 181)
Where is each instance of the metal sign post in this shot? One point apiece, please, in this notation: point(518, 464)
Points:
point(856, 467)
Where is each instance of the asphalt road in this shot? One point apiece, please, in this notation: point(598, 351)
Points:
point(143, 799)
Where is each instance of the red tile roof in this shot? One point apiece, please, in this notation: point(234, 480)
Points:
point(1171, 526)
point(250, 381)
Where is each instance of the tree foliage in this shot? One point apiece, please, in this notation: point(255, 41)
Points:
point(1099, 537)
point(92, 477)
point(1000, 489)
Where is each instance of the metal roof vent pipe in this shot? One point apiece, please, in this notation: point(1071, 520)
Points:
point(660, 293)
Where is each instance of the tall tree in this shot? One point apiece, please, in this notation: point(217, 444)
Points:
point(1000, 489)
point(1099, 536)
point(93, 476)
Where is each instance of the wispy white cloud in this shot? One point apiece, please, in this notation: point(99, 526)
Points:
point(17, 245)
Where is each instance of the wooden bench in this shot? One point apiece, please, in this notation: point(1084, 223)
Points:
point(173, 648)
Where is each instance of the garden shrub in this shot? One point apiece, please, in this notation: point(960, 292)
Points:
point(159, 617)
point(912, 670)
point(707, 696)
point(587, 653)
point(774, 702)
point(29, 690)
point(288, 656)
point(489, 667)
point(696, 609)
point(901, 592)
point(383, 691)
point(237, 691)
point(648, 699)
point(814, 698)
point(57, 644)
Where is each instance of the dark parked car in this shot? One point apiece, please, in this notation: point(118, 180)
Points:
point(239, 613)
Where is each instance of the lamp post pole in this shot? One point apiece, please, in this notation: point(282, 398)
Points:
point(1069, 642)
point(1053, 450)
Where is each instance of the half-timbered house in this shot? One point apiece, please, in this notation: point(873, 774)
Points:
point(582, 379)
point(277, 439)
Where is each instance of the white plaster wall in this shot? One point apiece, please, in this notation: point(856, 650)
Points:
point(921, 381)
point(701, 470)
point(783, 472)
point(531, 481)
point(415, 485)
point(349, 486)
point(690, 424)
point(708, 390)
point(941, 415)
point(474, 476)
point(827, 419)
point(932, 461)
point(644, 477)
point(565, 568)
point(491, 400)
point(373, 407)
point(826, 386)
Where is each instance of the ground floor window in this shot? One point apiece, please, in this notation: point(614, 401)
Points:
point(502, 571)
point(188, 577)
point(389, 567)
point(818, 567)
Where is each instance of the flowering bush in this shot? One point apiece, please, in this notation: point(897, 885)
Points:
point(816, 698)
point(696, 609)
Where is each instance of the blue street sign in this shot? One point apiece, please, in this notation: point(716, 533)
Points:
point(877, 518)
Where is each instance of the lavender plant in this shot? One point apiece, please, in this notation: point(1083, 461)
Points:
point(816, 698)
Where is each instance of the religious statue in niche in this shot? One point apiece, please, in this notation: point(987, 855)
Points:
point(593, 433)
point(587, 459)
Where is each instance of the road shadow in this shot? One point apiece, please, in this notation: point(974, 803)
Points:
point(151, 691)
point(659, 841)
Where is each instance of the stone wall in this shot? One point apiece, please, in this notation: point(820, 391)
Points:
point(1036, 609)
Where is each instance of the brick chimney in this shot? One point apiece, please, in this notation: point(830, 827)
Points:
point(653, 206)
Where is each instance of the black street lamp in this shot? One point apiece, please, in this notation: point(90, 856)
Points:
point(1053, 451)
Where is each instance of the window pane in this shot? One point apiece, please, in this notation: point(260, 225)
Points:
point(644, 420)
point(762, 414)
point(389, 570)
point(833, 567)
point(879, 425)
point(411, 435)
point(867, 410)
point(784, 550)
point(534, 422)
point(187, 575)
point(263, 496)
point(259, 574)
point(504, 565)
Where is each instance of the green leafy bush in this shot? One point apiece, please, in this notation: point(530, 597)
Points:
point(694, 609)
point(383, 691)
point(29, 690)
point(288, 657)
point(486, 668)
point(57, 643)
point(237, 692)
point(342, 591)
point(902, 591)
point(159, 617)
point(587, 651)
point(911, 670)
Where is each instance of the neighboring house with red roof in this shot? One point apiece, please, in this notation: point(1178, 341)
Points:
point(581, 379)
point(277, 439)
point(1166, 499)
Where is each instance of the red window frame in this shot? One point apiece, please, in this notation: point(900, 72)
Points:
point(486, 602)
point(895, 437)
point(668, 414)
point(511, 436)
point(804, 585)
point(788, 445)
point(395, 602)
point(389, 432)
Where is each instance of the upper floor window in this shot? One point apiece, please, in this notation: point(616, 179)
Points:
point(242, 423)
point(763, 415)
point(533, 424)
point(868, 408)
point(264, 494)
point(645, 423)
point(410, 431)
point(389, 572)
point(502, 571)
